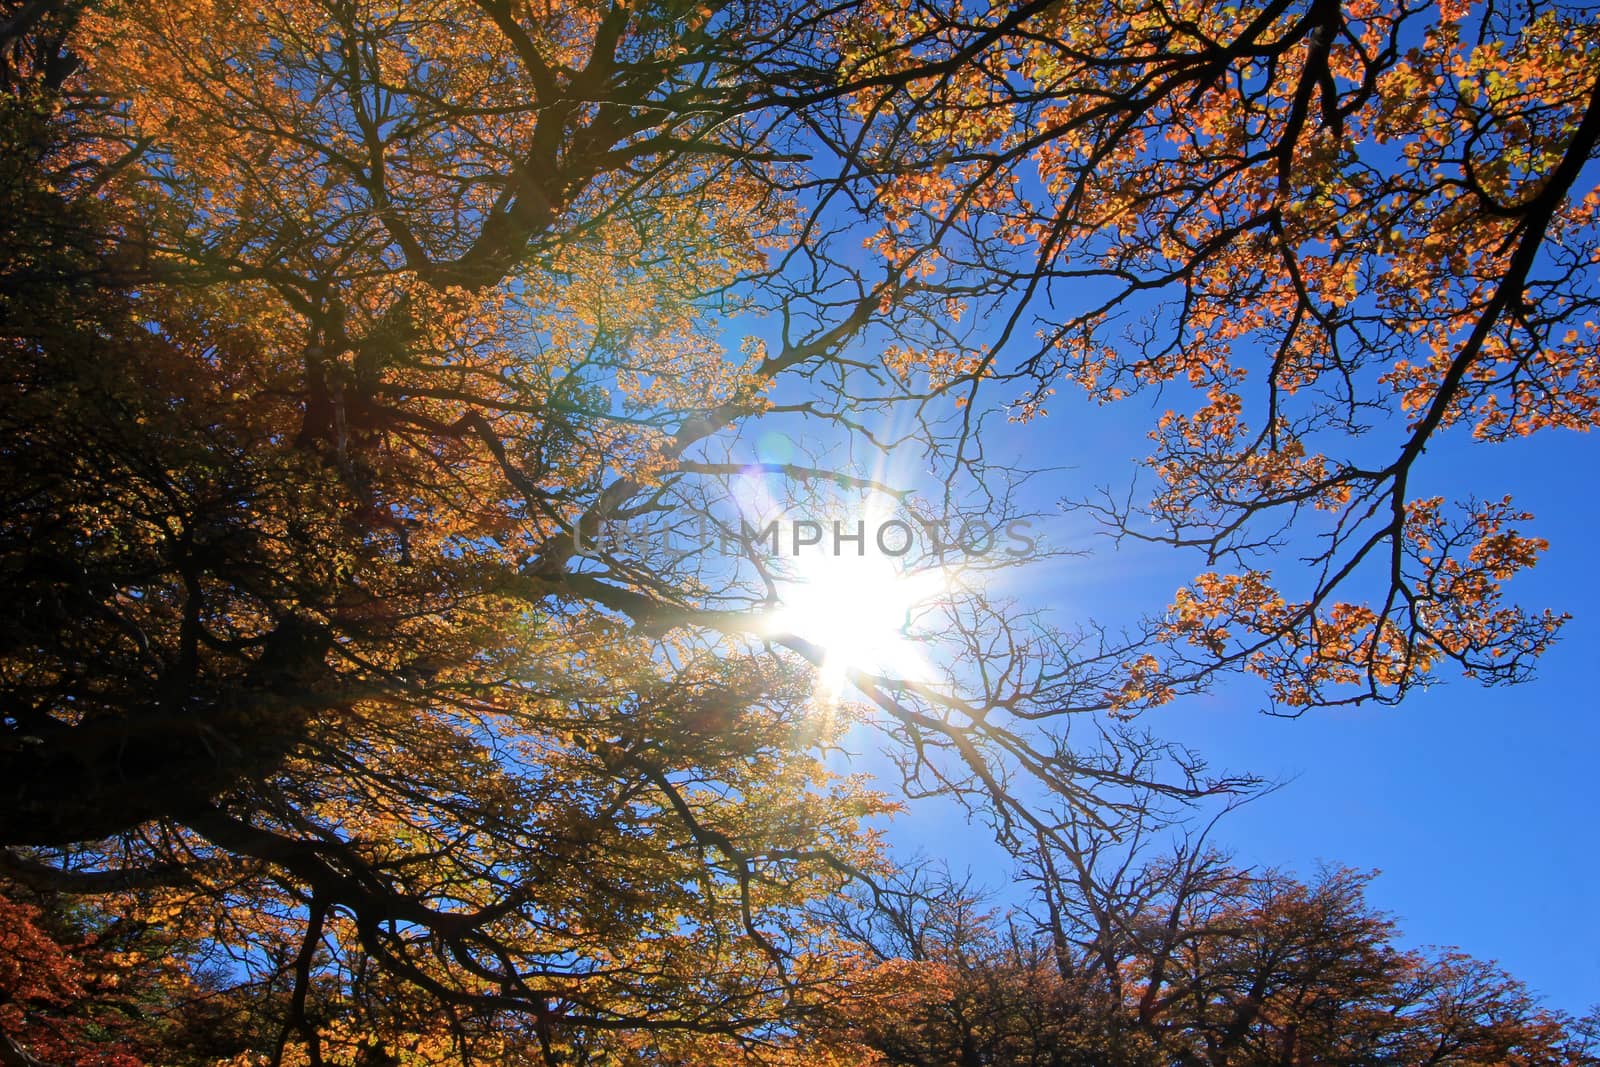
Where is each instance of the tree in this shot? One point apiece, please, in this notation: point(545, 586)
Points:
point(1326, 234)
point(336, 334)
point(84, 986)
point(1187, 959)
point(333, 334)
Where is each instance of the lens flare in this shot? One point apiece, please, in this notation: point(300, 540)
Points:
point(861, 611)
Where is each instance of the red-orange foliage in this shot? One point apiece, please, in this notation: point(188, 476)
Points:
point(1189, 960)
point(1327, 233)
point(334, 329)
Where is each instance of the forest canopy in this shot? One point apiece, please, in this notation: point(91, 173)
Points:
point(337, 724)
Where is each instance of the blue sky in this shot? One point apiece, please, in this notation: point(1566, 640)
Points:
point(1474, 803)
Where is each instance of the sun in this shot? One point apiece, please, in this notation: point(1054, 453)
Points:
point(861, 611)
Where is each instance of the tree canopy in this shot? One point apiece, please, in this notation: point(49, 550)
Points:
point(1183, 959)
point(338, 333)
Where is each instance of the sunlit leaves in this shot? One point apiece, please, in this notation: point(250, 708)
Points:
point(1345, 227)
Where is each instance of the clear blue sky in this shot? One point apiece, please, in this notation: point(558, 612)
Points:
point(1476, 804)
